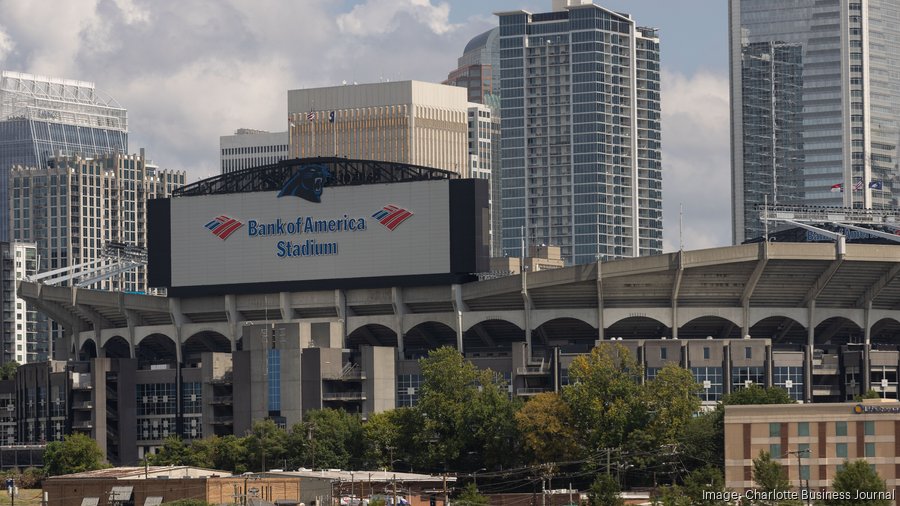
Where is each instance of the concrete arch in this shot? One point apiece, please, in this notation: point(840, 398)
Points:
point(570, 335)
point(781, 330)
point(141, 332)
point(87, 350)
point(663, 316)
point(223, 328)
point(836, 331)
point(638, 327)
point(411, 321)
point(885, 332)
point(705, 326)
point(472, 318)
point(157, 349)
point(427, 336)
point(686, 315)
point(117, 347)
point(758, 314)
point(357, 322)
point(491, 334)
point(373, 334)
point(203, 341)
point(587, 316)
point(857, 316)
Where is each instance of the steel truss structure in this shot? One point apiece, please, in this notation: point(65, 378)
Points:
point(828, 221)
point(342, 172)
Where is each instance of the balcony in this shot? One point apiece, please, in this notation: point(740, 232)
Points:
point(225, 400)
point(83, 425)
point(222, 420)
point(83, 406)
point(526, 392)
point(343, 396)
point(533, 370)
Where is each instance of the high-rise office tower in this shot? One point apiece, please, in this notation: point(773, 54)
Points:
point(251, 148)
point(815, 100)
point(580, 132)
point(478, 70)
point(404, 121)
point(42, 117)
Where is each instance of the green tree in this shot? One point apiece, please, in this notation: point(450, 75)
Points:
point(859, 480)
point(492, 438)
point(870, 394)
point(8, 370)
point(327, 438)
point(231, 454)
point(702, 441)
point(174, 452)
point(76, 453)
point(770, 475)
point(701, 485)
point(470, 496)
point(266, 445)
point(448, 383)
point(545, 423)
point(604, 492)
point(387, 438)
point(605, 396)
point(756, 394)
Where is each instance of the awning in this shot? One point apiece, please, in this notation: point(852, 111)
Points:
point(90, 501)
point(153, 501)
point(120, 494)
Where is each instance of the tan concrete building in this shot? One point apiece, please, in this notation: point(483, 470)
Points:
point(156, 485)
point(825, 435)
point(404, 121)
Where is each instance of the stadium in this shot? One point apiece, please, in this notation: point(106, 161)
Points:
point(246, 332)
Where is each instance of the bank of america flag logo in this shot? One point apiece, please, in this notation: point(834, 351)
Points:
point(392, 216)
point(223, 226)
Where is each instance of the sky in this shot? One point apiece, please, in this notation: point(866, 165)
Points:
point(189, 71)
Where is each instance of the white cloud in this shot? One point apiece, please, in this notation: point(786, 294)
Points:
point(696, 159)
point(132, 13)
point(379, 17)
point(6, 44)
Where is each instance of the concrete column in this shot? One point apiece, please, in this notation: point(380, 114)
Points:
point(810, 345)
point(867, 348)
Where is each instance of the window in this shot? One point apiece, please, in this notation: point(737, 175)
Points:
point(840, 450)
point(803, 429)
point(840, 428)
point(870, 449)
point(662, 353)
point(748, 352)
point(774, 430)
point(706, 352)
point(804, 473)
point(775, 451)
point(869, 428)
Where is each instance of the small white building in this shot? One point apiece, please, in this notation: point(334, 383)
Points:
point(251, 148)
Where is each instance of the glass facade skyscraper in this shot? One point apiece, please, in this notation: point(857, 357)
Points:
point(815, 105)
point(580, 164)
point(43, 117)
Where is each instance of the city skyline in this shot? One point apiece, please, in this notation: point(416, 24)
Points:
point(248, 57)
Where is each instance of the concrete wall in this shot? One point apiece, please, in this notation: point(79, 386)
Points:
point(381, 378)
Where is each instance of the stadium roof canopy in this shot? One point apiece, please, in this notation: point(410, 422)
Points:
point(336, 172)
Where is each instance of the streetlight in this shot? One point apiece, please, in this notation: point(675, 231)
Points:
point(475, 476)
point(800, 469)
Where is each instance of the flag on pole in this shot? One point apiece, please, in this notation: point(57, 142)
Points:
point(331, 117)
point(858, 185)
point(310, 116)
point(837, 187)
point(876, 185)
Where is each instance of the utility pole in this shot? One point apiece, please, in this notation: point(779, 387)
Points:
point(394, 480)
point(446, 499)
